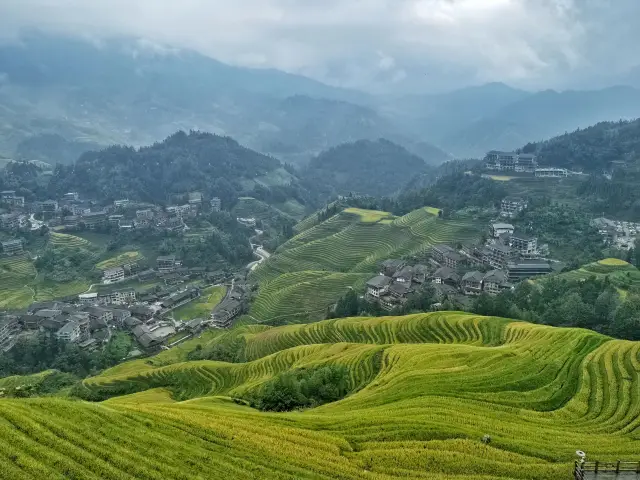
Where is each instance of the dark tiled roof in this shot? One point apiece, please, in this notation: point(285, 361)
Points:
point(379, 281)
point(495, 276)
point(447, 273)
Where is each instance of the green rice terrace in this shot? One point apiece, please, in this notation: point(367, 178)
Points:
point(313, 269)
point(21, 283)
point(423, 392)
point(621, 274)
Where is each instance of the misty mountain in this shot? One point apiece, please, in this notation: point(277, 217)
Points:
point(543, 115)
point(436, 116)
point(121, 93)
point(368, 167)
point(59, 96)
point(316, 124)
point(53, 148)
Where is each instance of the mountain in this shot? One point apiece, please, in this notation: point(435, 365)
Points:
point(593, 149)
point(300, 126)
point(367, 167)
point(543, 115)
point(214, 165)
point(121, 93)
point(433, 117)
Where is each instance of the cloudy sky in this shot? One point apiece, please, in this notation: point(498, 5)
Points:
point(379, 45)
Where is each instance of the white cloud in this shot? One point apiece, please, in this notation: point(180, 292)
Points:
point(538, 43)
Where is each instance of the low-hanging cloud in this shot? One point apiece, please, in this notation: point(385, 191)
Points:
point(374, 44)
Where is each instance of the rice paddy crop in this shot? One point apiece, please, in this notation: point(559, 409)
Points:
point(119, 260)
point(425, 389)
point(201, 307)
point(369, 216)
point(314, 268)
point(621, 274)
point(20, 284)
point(616, 262)
point(15, 275)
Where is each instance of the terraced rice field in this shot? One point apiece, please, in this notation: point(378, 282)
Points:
point(425, 390)
point(64, 240)
point(20, 285)
point(613, 262)
point(622, 275)
point(48, 290)
point(369, 216)
point(313, 269)
point(119, 260)
point(309, 291)
point(15, 275)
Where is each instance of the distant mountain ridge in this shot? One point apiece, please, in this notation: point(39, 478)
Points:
point(544, 115)
point(107, 95)
point(367, 167)
point(120, 92)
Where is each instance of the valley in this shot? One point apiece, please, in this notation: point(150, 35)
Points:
point(396, 267)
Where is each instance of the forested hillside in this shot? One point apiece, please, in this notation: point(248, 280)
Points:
point(592, 149)
point(365, 167)
point(183, 162)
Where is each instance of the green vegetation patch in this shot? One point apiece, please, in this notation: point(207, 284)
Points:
point(201, 307)
point(369, 216)
point(119, 260)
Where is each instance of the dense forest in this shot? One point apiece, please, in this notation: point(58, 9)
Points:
point(449, 192)
point(592, 149)
point(184, 162)
point(618, 197)
point(43, 352)
point(590, 303)
point(364, 167)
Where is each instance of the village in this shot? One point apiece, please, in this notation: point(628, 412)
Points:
point(73, 213)
point(89, 319)
point(507, 257)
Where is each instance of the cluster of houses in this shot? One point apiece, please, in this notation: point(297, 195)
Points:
point(396, 281)
point(619, 234)
point(89, 319)
point(168, 268)
point(509, 256)
point(526, 163)
point(72, 213)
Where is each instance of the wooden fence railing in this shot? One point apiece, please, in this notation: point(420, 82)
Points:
point(604, 467)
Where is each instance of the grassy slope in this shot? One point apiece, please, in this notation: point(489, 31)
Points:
point(20, 286)
point(119, 260)
point(314, 268)
point(426, 389)
point(202, 306)
point(620, 273)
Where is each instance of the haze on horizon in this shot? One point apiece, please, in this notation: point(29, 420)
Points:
point(375, 45)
